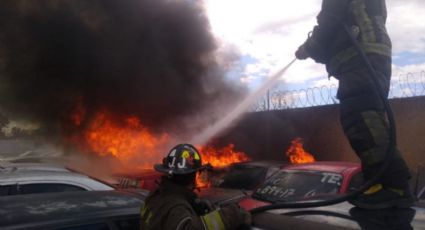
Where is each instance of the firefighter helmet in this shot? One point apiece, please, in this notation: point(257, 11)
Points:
point(182, 159)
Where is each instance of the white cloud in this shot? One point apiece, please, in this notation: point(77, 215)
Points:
point(325, 82)
point(406, 25)
point(413, 69)
point(248, 79)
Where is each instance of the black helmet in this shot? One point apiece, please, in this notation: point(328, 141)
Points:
point(182, 159)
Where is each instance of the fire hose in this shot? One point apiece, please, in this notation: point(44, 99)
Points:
point(388, 158)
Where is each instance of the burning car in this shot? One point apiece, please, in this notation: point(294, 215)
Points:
point(218, 158)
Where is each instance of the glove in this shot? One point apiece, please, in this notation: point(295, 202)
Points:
point(203, 207)
point(301, 53)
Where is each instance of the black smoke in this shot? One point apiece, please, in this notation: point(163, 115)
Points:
point(150, 58)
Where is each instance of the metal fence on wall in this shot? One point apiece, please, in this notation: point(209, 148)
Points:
point(403, 85)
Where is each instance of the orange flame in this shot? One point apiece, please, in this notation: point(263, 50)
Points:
point(218, 157)
point(129, 141)
point(297, 154)
point(136, 147)
point(202, 180)
point(221, 157)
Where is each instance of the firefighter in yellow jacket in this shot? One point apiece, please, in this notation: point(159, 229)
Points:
point(362, 112)
point(175, 206)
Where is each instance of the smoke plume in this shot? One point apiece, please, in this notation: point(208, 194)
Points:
point(154, 59)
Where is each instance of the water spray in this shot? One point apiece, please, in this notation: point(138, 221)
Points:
point(223, 123)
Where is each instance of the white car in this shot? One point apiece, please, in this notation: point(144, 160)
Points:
point(27, 178)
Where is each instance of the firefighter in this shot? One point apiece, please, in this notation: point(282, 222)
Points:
point(362, 112)
point(174, 205)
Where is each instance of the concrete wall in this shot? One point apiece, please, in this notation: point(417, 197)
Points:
point(266, 135)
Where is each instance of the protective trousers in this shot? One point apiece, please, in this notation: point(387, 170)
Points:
point(363, 118)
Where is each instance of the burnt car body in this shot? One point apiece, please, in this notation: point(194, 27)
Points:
point(72, 210)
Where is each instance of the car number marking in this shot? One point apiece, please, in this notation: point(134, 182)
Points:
point(331, 178)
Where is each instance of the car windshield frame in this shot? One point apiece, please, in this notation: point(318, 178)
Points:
point(274, 191)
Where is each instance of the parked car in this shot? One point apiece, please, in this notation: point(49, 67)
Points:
point(100, 210)
point(321, 181)
point(304, 181)
point(27, 178)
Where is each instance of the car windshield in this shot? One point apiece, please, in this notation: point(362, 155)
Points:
point(246, 177)
point(290, 185)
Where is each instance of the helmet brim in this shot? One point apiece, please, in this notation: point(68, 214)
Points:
point(166, 170)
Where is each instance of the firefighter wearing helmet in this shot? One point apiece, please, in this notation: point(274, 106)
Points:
point(346, 30)
point(174, 205)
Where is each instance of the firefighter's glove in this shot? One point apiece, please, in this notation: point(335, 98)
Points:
point(234, 217)
point(302, 53)
point(203, 206)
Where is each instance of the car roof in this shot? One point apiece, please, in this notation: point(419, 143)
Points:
point(264, 163)
point(9, 167)
point(34, 210)
point(12, 174)
point(327, 166)
point(28, 175)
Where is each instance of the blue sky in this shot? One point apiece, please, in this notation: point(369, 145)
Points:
point(406, 58)
point(266, 33)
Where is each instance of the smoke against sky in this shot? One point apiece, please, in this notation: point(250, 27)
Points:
point(151, 59)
